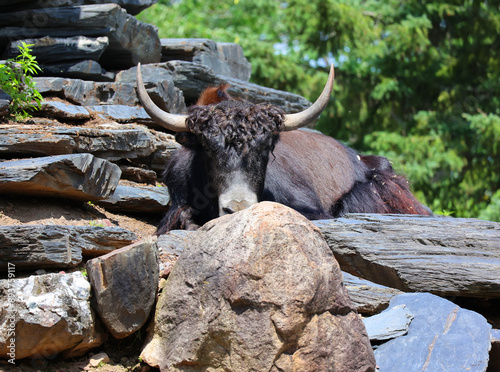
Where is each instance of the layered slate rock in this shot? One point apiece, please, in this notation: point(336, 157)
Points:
point(125, 283)
point(49, 49)
point(137, 199)
point(85, 70)
point(445, 256)
point(132, 6)
point(367, 297)
point(88, 93)
point(441, 337)
point(108, 141)
point(46, 246)
point(225, 59)
point(50, 314)
point(258, 290)
point(194, 78)
point(389, 324)
point(130, 41)
point(78, 176)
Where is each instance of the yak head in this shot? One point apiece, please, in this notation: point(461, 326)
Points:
point(236, 138)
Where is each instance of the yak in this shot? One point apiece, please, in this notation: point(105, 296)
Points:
point(235, 153)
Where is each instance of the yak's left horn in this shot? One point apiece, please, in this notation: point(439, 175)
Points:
point(300, 119)
point(174, 122)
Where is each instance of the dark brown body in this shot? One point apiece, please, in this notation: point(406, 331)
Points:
point(307, 171)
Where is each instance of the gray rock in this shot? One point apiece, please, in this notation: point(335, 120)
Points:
point(85, 70)
point(392, 323)
point(130, 41)
point(111, 142)
point(48, 49)
point(125, 283)
point(367, 297)
point(158, 81)
point(50, 314)
point(137, 199)
point(88, 93)
point(62, 110)
point(441, 337)
point(258, 290)
point(445, 256)
point(193, 78)
point(132, 6)
point(225, 59)
point(122, 92)
point(121, 113)
point(139, 175)
point(56, 246)
point(77, 176)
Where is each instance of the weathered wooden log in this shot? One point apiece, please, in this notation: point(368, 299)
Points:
point(444, 256)
point(45, 246)
point(130, 41)
point(77, 176)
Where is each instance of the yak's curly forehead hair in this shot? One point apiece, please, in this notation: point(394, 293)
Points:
point(238, 122)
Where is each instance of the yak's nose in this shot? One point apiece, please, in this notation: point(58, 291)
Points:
point(234, 206)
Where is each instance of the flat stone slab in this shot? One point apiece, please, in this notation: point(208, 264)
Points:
point(137, 199)
point(193, 78)
point(62, 110)
point(445, 256)
point(57, 246)
point(389, 324)
point(368, 298)
point(121, 113)
point(85, 70)
point(125, 283)
point(110, 142)
point(77, 176)
point(49, 314)
point(88, 93)
point(130, 41)
point(132, 6)
point(225, 59)
point(441, 337)
point(50, 49)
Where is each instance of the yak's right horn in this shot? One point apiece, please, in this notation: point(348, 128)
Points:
point(174, 122)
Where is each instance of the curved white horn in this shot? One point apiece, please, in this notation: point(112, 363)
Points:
point(300, 119)
point(174, 122)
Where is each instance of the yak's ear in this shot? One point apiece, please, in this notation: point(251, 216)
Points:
point(214, 95)
point(186, 139)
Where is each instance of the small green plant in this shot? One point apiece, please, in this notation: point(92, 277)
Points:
point(97, 223)
point(17, 81)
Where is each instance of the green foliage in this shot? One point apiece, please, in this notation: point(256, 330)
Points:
point(17, 81)
point(417, 81)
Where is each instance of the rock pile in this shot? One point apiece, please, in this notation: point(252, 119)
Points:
point(93, 149)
